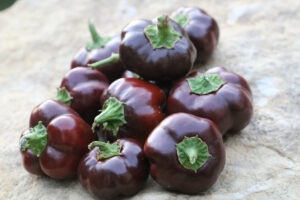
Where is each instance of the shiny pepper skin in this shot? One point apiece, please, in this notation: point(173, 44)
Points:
point(230, 107)
point(84, 57)
point(161, 148)
point(202, 29)
point(118, 176)
point(143, 103)
point(159, 64)
point(48, 110)
point(64, 141)
point(85, 87)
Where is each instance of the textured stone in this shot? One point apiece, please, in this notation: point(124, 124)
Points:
point(259, 40)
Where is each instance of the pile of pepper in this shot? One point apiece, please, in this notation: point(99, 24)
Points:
point(134, 104)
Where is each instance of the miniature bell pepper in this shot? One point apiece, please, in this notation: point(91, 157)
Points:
point(112, 171)
point(56, 149)
point(202, 29)
point(165, 86)
point(158, 50)
point(48, 110)
point(100, 48)
point(131, 107)
point(218, 94)
point(81, 89)
point(186, 153)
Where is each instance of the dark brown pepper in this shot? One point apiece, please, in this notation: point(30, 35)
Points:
point(159, 64)
point(230, 107)
point(201, 28)
point(117, 176)
point(161, 150)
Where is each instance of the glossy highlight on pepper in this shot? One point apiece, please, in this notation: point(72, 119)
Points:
point(114, 170)
point(81, 89)
point(98, 49)
point(229, 105)
point(158, 50)
point(55, 150)
point(186, 153)
point(202, 29)
point(141, 106)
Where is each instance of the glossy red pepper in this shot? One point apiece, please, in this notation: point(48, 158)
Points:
point(100, 48)
point(81, 89)
point(48, 110)
point(56, 149)
point(111, 171)
point(186, 153)
point(131, 108)
point(201, 28)
point(158, 50)
point(218, 94)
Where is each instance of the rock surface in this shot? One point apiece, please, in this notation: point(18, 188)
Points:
point(259, 40)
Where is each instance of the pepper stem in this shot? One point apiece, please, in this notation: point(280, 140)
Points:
point(181, 19)
point(106, 150)
point(97, 40)
point(36, 140)
point(115, 57)
point(162, 35)
point(64, 96)
point(205, 83)
point(192, 153)
point(163, 24)
point(112, 116)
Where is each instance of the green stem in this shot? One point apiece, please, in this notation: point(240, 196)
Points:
point(192, 153)
point(106, 150)
point(205, 84)
point(162, 35)
point(112, 116)
point(97, 40)
point(64, 96)
point(114, 58)
point(36, 140)
point(163, 25)
point(181, 19)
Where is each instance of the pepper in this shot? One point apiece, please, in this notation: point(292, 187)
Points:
point(158, 50)
point(55, 150)
point(131, 107)
point(219, 95)
point(111, 171)
point(100, 48)
point(81, 89)
point(202, 29)
point(48, 110)
point(186, 153)
point(165, 86)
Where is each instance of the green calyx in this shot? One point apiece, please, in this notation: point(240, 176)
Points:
point(192, 153)
point(205, 84)
point(112, 59)
point(162, 35)
point(64, 96)
point(181, 19)
point(112, 116)
point(36, 140)
point(106, 150)
point(97, 40)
